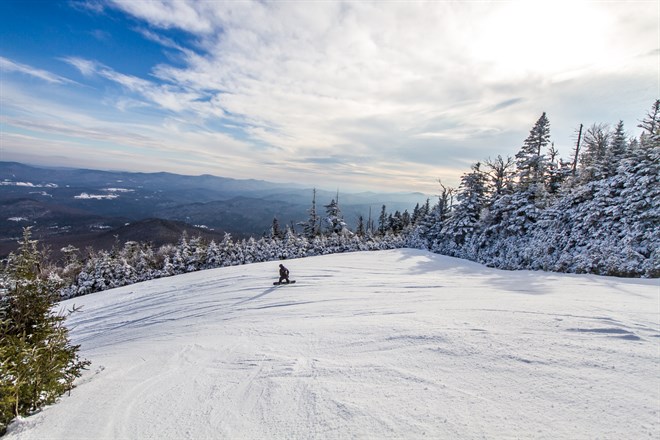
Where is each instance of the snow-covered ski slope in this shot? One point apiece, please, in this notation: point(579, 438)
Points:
point(376, 345)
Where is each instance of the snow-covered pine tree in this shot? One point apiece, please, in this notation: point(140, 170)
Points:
point(432, 223)
point(250, 250)
point(617, 149)
point(514, 211)
point(228, 252)
point(72, 263)
point(275, 231)
point(383, 224)
point(530, 193)
point(501, 174)
point(530, 161)
point(311, 226)
point(406, 220)
point(292, 246)
point(316, 246)
point(213, 257)
point(555, 171)
point(395, 222)
point(38, 363)
point(334, 220)
point(196, 254)
point(360, 229)
point(651, 123)
point(419, 229)
point(471, 199)
point(593, 161)
point(181, 255)
point(416, 214)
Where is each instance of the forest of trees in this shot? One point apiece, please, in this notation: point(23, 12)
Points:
point(598, 212)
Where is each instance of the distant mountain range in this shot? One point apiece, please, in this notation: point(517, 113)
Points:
point(100, 208)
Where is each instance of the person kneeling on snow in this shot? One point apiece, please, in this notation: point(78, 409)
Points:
point(284, 274)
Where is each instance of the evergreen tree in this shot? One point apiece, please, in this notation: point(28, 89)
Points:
point(555, 171)
point(72, 263)
point(230, 255)
point(416, 214)
point(530, 160)
point(594, 158)
point(472, 201)
point(360, 230)
point(406, 220)
point(395, 222)
point(37, 361)
point(196, 254)
point(213, 256)
point(275, 231)
point(311, 226)
point(445, 202)
point(383, 224)
point(530, 195)
point(334, 220)
point(501, 173)
point(618, 145)
point(651, 123)
point(370, 223)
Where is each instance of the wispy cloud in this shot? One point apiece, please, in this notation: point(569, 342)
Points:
point(166, 96)
point(86, 67)
point(162, 40)
point(7, 65)
point(167, 14)
point(91, 6)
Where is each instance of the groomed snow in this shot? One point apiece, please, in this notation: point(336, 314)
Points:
point(388, 344)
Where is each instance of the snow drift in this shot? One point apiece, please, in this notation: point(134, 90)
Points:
point(387, 344)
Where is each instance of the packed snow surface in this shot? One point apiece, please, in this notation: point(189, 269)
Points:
point(388, 344)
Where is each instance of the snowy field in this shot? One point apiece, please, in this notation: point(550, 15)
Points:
point(376, 345)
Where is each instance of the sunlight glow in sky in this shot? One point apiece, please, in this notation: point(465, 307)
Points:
point(387, 96)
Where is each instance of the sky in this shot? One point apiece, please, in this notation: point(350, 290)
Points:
point(385, 96)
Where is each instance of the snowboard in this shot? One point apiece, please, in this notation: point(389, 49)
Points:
point(277, 283)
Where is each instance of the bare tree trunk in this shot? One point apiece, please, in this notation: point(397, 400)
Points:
point(577, 150)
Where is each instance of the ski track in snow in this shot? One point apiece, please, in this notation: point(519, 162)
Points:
point(388, 344)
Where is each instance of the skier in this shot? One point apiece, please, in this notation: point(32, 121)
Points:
point(284, 274)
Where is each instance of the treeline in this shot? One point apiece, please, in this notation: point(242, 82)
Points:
point(324, 232)
point(598, 212)
point(136, 262)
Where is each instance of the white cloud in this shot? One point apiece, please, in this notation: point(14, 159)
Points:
point(166, 96)
point(169, 14)
point(7, 65)
point(398, 92)
point(87, 67)
point(295, 72)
